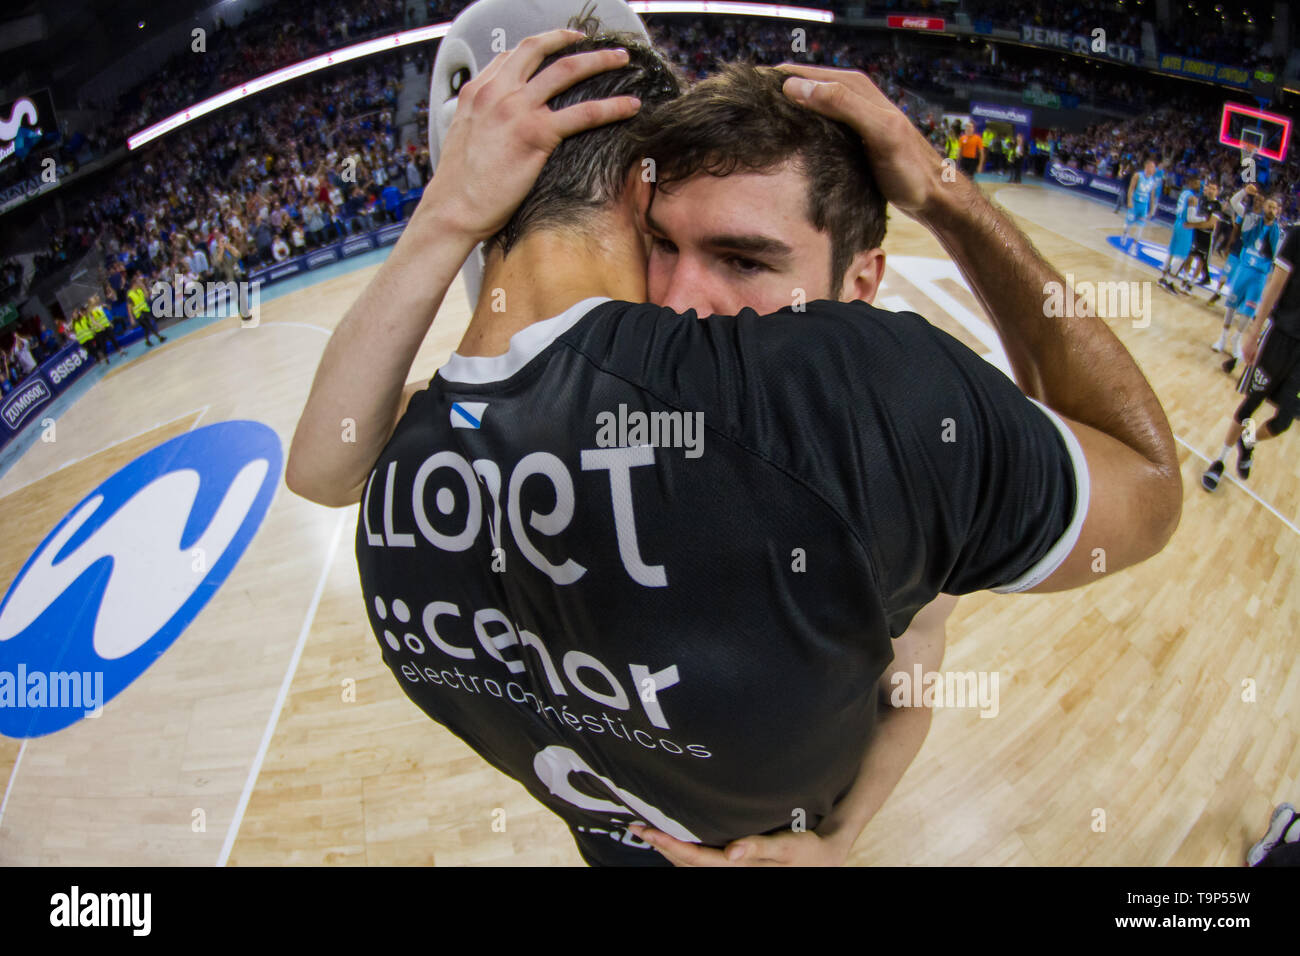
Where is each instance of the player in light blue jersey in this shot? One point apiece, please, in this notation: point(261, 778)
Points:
point(1244, 206)
point(1180, 243)
point(1143, 191)
point(1261, 237)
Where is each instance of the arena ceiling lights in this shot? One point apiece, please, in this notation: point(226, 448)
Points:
point(284, 75)
point(732, 9)
point(422, 34)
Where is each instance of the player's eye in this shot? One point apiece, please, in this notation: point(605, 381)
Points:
point(459, 79)
point(663, 245)
point(746, 267)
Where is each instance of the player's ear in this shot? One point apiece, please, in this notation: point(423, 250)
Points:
point(638, 193)
point(863, 276)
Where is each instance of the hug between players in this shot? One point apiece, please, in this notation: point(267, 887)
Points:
point(679, 653)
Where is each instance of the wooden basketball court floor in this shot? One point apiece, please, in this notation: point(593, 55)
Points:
point(1147, 720)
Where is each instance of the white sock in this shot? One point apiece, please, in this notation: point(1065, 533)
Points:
point(1223, 455)
point(1223, 339)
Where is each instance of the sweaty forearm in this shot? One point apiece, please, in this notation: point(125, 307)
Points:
point(1071, 362)
point(357, 393)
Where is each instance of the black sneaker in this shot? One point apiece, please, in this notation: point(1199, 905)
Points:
point(162, 338)
point(1283, 817)
point(1229, 365)
point(1210, 480)
point(1245, 455)
point(1213, 299)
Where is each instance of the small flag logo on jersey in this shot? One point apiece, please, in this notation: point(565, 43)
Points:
point(467, 414)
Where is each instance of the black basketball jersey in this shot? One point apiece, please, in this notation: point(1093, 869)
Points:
point(1286, 314)
point(1207, 208)
point(649, 565)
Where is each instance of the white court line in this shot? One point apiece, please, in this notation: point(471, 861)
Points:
point(112, 444)
point(13, 775)
point(1240, 485)
point(186, 341)
point(284, 692)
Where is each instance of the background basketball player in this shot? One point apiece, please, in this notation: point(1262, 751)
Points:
point(1273, 365)
point(1260, 236)
point(1243, 210)
point(1143, 191)
point(1180, 242)
point(1205, 221)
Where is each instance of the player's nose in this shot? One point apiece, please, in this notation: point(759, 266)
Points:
point(687, 289)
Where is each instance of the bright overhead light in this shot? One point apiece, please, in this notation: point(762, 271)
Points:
point(434, 31)
point(292, 72)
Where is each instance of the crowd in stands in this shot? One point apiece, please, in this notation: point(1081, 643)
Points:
point(273, 177)
point(1226, 35)
point(697, 47)
point(318, 159)
point(1078, 16)
point(1184, 142)
point(270, 37)
point(11, 277)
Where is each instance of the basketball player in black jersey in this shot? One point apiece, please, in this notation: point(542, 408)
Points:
point(818, 428)
point(1208, 217)
point(743, 176)
point(1272, 366)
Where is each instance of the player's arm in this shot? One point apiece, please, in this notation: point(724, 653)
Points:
point(900, 733)
point(1075, 366)
point(1237, 202)
point(498, 142)
point(1132, 185)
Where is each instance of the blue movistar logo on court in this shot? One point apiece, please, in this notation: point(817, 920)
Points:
point(127, 570)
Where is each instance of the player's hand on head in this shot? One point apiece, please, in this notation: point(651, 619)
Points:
point(503, 131)
point(781, 849)
point(907, 169)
